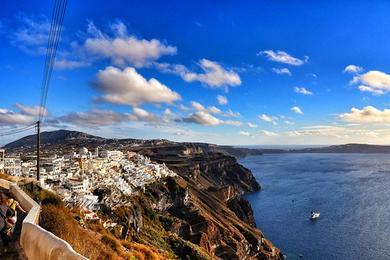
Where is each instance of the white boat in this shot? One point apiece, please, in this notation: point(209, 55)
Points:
point(314, 215)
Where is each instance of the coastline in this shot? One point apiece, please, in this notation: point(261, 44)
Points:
point(349, 190)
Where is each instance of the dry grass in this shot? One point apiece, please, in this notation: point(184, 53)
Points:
point(143, 252)
point(59, 221)
point(8, 177)
point(153, 242)
point(94, 242)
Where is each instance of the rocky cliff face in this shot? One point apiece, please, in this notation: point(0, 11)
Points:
point(207, 200)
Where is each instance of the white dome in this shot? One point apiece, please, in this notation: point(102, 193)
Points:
point(83, 151)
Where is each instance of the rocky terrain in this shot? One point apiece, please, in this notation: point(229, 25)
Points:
point(213, 213)
point(202, 212)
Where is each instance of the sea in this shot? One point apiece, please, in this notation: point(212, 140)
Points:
point(351, 191)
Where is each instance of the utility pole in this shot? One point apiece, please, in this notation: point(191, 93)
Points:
point(38, 148)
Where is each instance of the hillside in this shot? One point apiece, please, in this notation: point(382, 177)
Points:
point(66, 139)
point(203, 207)
point(347, 148)
point(53, 137)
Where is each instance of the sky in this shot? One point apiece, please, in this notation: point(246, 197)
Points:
point(224, 72)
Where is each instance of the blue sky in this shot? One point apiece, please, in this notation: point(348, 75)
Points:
point(261, 72)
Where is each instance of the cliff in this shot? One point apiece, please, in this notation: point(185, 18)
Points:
point(208, 201)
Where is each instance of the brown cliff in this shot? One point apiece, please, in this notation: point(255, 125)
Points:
point(209, 204)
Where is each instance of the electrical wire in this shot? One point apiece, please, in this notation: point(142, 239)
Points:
point(17, 130)
point(55, 31)
point(53, 49)
point(58, 15)
point(53, 41)
point(48, 50)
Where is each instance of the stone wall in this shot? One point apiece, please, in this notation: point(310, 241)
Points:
point(38, 243)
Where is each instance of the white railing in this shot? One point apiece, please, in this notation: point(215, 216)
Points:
point(36, 242)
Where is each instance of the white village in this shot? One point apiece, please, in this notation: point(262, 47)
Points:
point(75, 176)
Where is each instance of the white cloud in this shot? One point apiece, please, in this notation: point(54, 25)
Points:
point(128, 87)
point(368, 114)
point(124, 49)
point(303, 91)
point(117, 45)
point(284, 71)
point(374, 81)
point(231, 113)
point(269, 119)
point(97, 117)
point(63, 64)
point(222, 100)
point(283, 57)
point(140, 114)
point(268, 133)
point(244, 133)
point(247, 68)
point(168, 115)
point(374, 91)
point(232, 122)
point(184, 108)
point(251, 125)
point(214, 110)
point(297, 110)
point(198, 106)
point(32, 35)
point(214, 75)
point(203, 118)
point(353, 69)
point(32, 111)
point(94, 118)
point(8, 117)
point(320, 130)
point(330, 133)
point(25, 116)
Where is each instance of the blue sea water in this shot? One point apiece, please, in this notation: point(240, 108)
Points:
point(352, 192)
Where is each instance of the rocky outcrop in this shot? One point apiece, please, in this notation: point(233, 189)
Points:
point(204, 168)
point(208, 203)
point(243, 209)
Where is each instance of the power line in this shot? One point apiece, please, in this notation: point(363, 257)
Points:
point(48, 49)
point(53, 41)
point(54, 36)
point(57, 27)
point(18, 130)
point(52, 46)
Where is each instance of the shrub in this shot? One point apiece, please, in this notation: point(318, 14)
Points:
point(48, 197)
point(59, 221)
